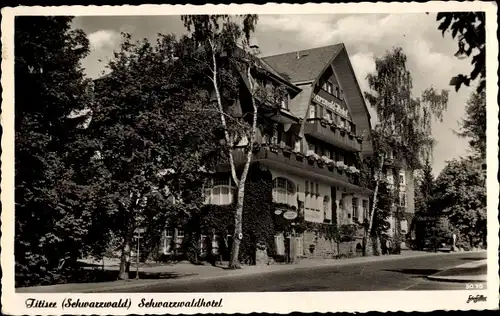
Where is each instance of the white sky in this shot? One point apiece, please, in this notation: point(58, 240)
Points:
point(430, 55)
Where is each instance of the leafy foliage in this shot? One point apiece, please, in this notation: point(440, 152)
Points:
point(54, 195)
point(424, 190)
point(473, 126)
point(470, 30)
point(404, 131)
point(150, 136)
point(257, 227)
point(460, 195)
point(234, 71)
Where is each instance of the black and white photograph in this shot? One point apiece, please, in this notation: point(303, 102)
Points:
point(319, 150)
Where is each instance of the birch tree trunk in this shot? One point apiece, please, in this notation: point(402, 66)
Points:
point(240, 183)
point(367, 238)
point(238, 217)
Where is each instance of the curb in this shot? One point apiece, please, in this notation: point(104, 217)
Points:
point(459, 279)
point(462, 278)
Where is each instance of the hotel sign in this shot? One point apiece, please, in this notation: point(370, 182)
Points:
point(335, 107)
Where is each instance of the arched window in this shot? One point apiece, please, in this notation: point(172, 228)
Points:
point(284, 191)
point(327, 211)
point(219, 191)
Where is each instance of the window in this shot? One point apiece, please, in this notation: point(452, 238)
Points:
point(340, 157)
point(169, 233)
point(404, 226)
point(343, 122)
point(283, 191)
point(219, 191)
point(341, 97)
point(328, 153)
point(328, 115)
point(390, 179)
point(355, 208)
point(312, 147)
point(222, 195)
point(284, 102)
point(325, 86)
point(274, 139)
point(402, 199)
point(312, 111)
point(312, 193)
point(337, 91)
point(402, 180)
point(327, 211)
point(297, 145)
point(180, 233)
point(365, 209)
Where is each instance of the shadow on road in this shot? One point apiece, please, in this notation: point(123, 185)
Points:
point(89, 273)
point(416, 272)
point(473, 259)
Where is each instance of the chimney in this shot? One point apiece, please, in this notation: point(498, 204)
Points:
point(298, 55)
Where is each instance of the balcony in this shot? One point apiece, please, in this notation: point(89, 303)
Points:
point(332, 134)
point(299, 164)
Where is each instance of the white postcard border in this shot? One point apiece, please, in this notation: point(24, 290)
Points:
point(282, 302)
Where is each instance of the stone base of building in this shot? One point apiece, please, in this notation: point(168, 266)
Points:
point(319, 247)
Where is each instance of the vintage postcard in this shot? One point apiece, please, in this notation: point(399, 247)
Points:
point(163, 159)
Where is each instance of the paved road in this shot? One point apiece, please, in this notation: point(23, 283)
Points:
point(390, 275)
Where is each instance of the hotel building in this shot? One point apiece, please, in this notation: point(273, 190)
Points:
point(313, 145)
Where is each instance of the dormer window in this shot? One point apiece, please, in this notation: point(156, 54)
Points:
point(328, 87)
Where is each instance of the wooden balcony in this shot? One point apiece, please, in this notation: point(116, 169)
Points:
point(332, 135)
point(300, 165)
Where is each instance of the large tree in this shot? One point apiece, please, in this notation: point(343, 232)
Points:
point(404, 127)
point(470, 30)
point(424, 217)
point(473, 126)
point(152, 143)
point(54, 208)
point(460, 196)
point(226, 43)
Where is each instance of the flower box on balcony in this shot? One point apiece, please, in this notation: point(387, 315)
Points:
point(359, 139)
point(287, 151)
point(299, 156)
point(274, 148)
point(342, 131)
point(324, 122)
point(333, 127)
point(256, 148)
point(351, 135)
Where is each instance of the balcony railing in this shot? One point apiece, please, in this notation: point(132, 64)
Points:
point(298, 161)
point(333, 134)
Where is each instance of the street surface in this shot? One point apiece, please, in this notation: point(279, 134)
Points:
point(390, 275)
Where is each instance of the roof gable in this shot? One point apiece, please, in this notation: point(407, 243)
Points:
point(307, 67)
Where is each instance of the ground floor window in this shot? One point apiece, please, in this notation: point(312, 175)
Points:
point(365, 209)
point(284, 191)
point(355, 209)
point(219, 191)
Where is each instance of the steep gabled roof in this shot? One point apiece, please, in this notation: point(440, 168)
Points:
point(307, 67)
